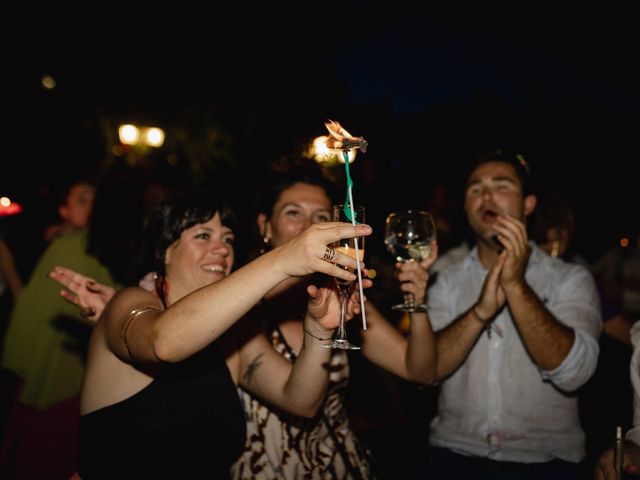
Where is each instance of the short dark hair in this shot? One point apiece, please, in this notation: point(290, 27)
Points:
point(171, 217)
point(513, 158)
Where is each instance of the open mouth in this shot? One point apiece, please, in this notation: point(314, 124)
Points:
point(213, 268)
point(489, 216)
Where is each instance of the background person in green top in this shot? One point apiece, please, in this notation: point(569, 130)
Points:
point(46, 340)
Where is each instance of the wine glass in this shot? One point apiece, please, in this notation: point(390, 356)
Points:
point(348, 247)
point(408, 236)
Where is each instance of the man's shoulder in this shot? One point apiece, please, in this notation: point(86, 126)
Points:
point(558, 266)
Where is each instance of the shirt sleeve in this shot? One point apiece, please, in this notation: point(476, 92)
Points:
point(576, 304)
point(439, 309)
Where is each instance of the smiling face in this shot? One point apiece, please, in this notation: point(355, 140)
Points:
point(203, 255)
point(298, 206)
point(494, 189)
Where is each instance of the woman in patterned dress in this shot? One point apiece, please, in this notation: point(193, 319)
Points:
point(283, 446)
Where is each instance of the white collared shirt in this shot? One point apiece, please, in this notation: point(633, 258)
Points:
point(499, 403)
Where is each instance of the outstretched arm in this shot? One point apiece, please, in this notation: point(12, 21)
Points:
point(412, 358)
point(197, 319)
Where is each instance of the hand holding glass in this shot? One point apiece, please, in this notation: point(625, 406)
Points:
point(408, 236)
point(348, 247)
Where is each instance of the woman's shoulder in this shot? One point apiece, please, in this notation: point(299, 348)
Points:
point(135, 293)
point(130, 299)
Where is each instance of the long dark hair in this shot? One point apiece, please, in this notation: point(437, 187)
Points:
point(170, 218)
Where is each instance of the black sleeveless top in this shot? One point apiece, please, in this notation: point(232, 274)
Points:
point(187, 423)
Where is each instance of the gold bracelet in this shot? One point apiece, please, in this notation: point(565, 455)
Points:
point(316, 337)
point(475, 314)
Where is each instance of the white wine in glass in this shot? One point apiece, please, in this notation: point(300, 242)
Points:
point(348, 247)
point(408, 237)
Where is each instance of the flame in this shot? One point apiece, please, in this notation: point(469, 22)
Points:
point(321, 152)
point(337, 133)
point(340, 139)
point(330, 149)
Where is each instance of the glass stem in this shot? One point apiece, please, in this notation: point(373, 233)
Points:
point(344, 295)
point(409, 299)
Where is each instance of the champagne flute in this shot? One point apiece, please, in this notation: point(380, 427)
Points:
point(348, 247)
point(408, 237)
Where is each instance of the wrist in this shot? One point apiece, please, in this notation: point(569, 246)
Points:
point(517, 287)
point(315, 330)
point(479, 317)
point(314, 336)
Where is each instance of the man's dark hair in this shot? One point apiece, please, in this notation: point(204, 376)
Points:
point(515, 159)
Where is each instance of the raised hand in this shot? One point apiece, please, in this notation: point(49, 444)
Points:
point(513, 236)
point(492, 297)
point(413, 276)
point(308, 252)
point(88, 294)
point(324, 304)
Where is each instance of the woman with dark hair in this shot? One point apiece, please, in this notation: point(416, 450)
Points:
point(159, 398)
point(295, 195)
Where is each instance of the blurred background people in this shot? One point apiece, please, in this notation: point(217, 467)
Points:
point(46, 339)
point(606, 469)
point(552, 224)
point(74, 202)
point(606, 399)
point(9, 277)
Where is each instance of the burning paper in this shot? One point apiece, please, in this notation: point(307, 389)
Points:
point(340, 139)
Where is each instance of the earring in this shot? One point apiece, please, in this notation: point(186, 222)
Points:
point(266, 245)
point(555, 248)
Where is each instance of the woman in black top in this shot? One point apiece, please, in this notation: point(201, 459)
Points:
point(159, 396)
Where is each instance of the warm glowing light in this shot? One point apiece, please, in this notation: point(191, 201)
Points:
point(8, 208)
point(340, 139)
point(48, 82)
point(132, 135)
point(129, 134)
point(624, 242)
point(154, 137)
point(321, 152)
point(371, 273)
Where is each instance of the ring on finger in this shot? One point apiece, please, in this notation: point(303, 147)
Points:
point(329, 254)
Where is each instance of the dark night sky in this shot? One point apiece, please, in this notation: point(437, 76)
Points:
point(427, 89)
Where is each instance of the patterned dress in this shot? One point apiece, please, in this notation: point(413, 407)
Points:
point(282, 446)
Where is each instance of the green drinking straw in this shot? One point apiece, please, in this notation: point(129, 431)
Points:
point(351, 215)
